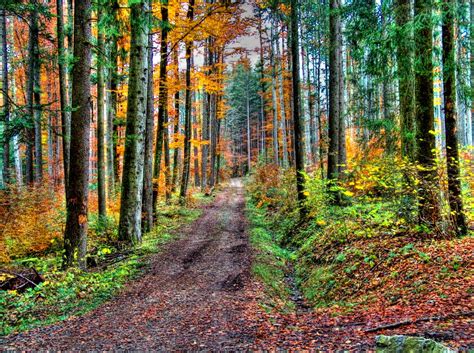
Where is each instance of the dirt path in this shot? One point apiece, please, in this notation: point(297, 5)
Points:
point(192, 297)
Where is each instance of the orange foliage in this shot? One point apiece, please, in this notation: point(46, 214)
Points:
point(30, 219)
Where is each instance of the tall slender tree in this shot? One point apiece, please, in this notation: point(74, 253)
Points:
point(132, 179)
point(63, 96)
point(6, 100)
point(450, 113)
point(296, 99)
point(335, 77)
point(75, 235)
point(428, 198)
point(187, 114)
point(162, 100)
point(101, 183)
point(147, 212)
point(405, 77)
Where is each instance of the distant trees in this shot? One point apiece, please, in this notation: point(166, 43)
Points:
point(328, 73)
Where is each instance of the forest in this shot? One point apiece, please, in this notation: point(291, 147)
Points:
point(215, 175)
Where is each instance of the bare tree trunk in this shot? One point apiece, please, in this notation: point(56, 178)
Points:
point(187, 107)
point(30, 131)
point(37, 117)
point(449, 89)
point(176, 127)
point(162, 103)
point(112, 85)
point(63, 97)
point(342, 119)
point(75, 235)
point(148, 211)
point(297, 121)
point(262, 88)
point(197, 179)
point(276, 158)
point(406, 88)
point(281, 82)
point(334, 90)
point(205, 120)
point(6, 102)
point(428, 197)
point(132, 181)
point(100, 125)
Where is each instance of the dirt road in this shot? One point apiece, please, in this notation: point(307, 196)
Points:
point(191, 297)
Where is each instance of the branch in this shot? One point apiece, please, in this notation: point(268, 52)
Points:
point(423, 319)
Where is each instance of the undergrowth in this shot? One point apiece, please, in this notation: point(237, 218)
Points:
point(271, 260)
point(73, 292)
point(370, 250)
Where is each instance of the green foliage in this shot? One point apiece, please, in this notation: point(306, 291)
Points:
point(271, 260)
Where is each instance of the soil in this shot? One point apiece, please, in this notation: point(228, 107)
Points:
point(191, 297)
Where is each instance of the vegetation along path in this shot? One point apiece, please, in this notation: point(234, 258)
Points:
point(191, 296)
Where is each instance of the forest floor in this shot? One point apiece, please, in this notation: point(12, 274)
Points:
point(198, 293)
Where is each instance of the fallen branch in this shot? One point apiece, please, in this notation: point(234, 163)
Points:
point(423, 319)
point(19, 275)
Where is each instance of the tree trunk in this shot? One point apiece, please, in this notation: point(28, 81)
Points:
point(406, 88)
point(37, 117)
point(30, 88)
point(75, 235)
point(187, 116)
point(176, 127)
point(6, 102)
point(276, 158)
point(197, 179)
point(342, 119)
point(334, 90)
point(425, 152)
point(112, 85)
point(205, 119)
point(297, 121)
point(63, 97)
point(281, 83)
point(162, 102)
point(100, 125)
point(449, 90)
point(132, 180)
point(147, 212)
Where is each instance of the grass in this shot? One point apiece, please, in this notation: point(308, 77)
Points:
point(71, 293)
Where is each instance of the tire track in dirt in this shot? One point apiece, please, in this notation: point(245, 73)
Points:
point(191, 297)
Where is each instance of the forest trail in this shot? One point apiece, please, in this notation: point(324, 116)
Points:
point(191, 297)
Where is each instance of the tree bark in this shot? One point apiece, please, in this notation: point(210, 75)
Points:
point(297, 121)
point(63, 96)
point(176, 126)
point(112, 85)
point(449, 90)
point(147, 212)
point(75, 235)
point(162, 102)
point(276, 158)
point(428, 198)
point(6, 102)
point(132, 180)
point(30, 87)
point(101, 184)
point(334, 90)
point(406, 88)
point(187, 117)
